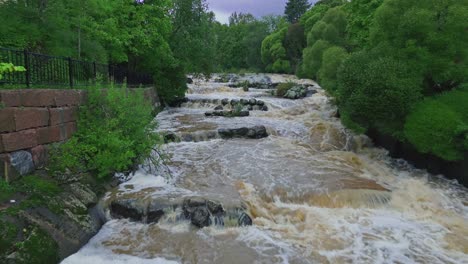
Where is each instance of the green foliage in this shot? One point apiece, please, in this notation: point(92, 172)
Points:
point(440, 126)
point(331, 60)
point(429, 35)
point(377, 92)
point(38, 247)
point(9, 68)
point(36, 185)
point(274, 53)
point(8, 234)
point(312, 57)
point(312, 16)
point(295, 9)
point(360, 20)
point(115, 132)
point(294, 43)
point(193, 39)
point(330, 30)
point(282, 88)
point(6, 190)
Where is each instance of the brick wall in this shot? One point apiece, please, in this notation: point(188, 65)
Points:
point(31, 119)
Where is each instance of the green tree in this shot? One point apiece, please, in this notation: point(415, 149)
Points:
point(192, 38)
point(312, 57)
point(295, 9)
point(376, 93)
point(294, 42)
point(430, 35)
point(440, 126)
point(332, 59)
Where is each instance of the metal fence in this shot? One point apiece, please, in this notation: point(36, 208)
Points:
point(44, 70)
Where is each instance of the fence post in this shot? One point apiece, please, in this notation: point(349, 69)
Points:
point(27, 66)
point(70, 71)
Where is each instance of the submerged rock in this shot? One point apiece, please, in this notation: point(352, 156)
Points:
point(255, 132)
point(225, 101)
point(219, 107)
point(200, 211)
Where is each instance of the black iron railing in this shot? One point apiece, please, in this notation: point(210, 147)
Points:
point(44, 70)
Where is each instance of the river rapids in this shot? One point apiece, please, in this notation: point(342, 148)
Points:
point(316, 192)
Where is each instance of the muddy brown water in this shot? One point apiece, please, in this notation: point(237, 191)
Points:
point(317, 193)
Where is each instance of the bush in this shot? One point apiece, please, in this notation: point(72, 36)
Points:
point(115, 132)
point(282, 88)
point(331, 61)
point(313, 58)
point(439, 125)
point(434, 127)
point(377, 92)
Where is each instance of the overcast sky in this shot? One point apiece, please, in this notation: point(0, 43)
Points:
point(224, 8)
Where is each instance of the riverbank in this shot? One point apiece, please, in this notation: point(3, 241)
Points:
point(451, 170)
point(45, 219)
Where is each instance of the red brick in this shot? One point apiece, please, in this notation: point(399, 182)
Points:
point(39, 155)
point(62, 115)
point(46, 135)
point(19, 140)
point(38, 97)
point(7, 119)
point(10, 98)
point(71, 129)
point(67, 98)
point(31, 117)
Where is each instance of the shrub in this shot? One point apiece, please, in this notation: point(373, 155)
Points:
point(331, 61)
point(313, 58)
point(439, 125)
point(282, 88)
point(115, 132)
point(9, 68)
point(434, 127)
point(377, 92)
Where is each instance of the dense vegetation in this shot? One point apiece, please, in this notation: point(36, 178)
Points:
point(395, 66)
point(398, 67)
point(115, 133)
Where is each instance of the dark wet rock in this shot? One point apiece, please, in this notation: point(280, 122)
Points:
point(189, 80)
point(234, 102)
point(178, 102)
point(200, 212)
point(253, 101)
point(244, 101)
point(225, 101)
point(228, 113)
point(244, 220)
point(187, 137)
point(128, 209)
point(310, 93)
point(154, 216)
point(264, 108)
point(83, 193)
point(255, 132)
point(219, 107)
point(250, 108)
point(260, 103)
point(22, 162)
point(170, 137)
point(244, 113)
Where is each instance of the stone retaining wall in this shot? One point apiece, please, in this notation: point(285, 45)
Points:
point(31, 119)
